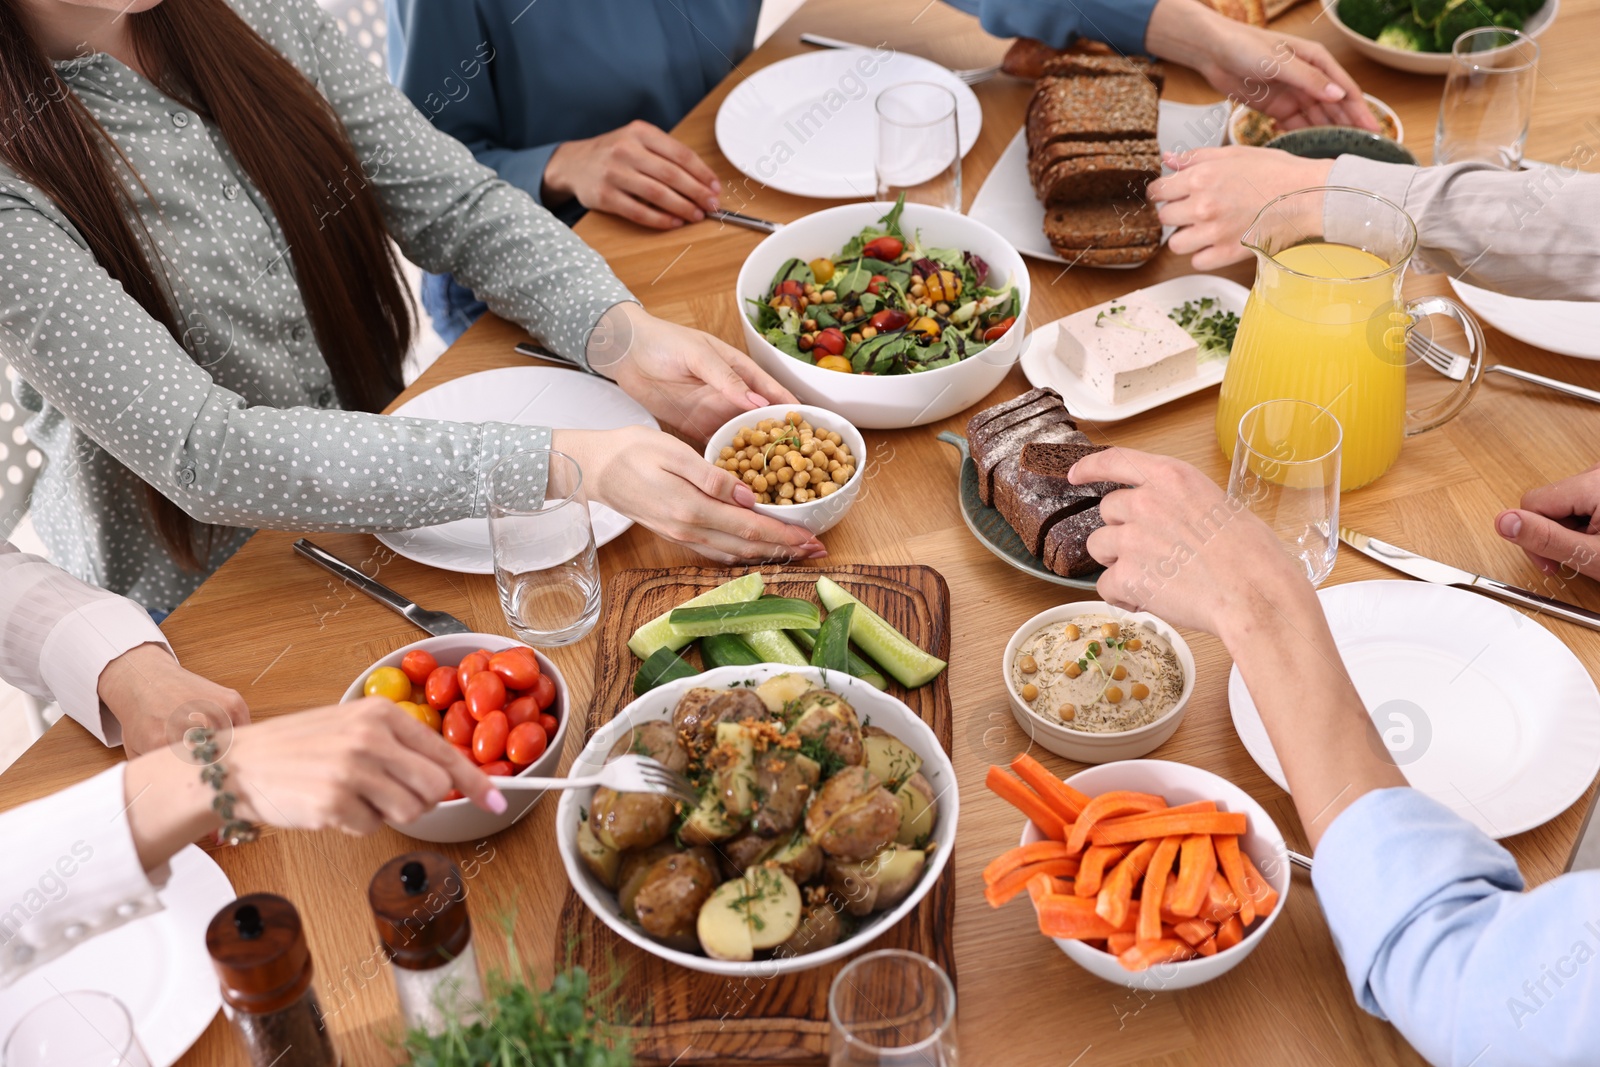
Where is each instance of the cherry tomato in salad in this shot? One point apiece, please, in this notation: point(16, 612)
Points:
point(489, 737)
point(443, 688)
point(458, 724)
point(526, 743)
point(888, 319)
point(522, 709)
point(421, 712)
point(417, 665)
point(390, 683)
point(543, 692)
point(550, 724)
point(884, 247)
point(498, 766)
point(829, 342)
point(516, 667)
point(876, 280)
point(485, 693)
point(789, 287)
point(997, 331)
point(473, 664)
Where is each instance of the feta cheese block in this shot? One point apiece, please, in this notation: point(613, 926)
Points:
point(1125, 349)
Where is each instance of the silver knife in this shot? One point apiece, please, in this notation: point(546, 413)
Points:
point(436, 623)
point(1430, 570)
point(747, 221)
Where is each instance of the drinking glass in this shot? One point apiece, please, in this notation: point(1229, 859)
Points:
point(919, 145)
point(544, 554)
point(1286, 471)
point(892, 1008)
point(77, 1029)
point(1488, 98)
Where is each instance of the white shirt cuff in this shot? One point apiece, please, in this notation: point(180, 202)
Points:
point(80, 647)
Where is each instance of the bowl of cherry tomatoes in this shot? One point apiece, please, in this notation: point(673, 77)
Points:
point(502, 703)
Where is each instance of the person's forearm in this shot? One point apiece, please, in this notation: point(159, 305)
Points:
point(1319, 728)
point(168, 806)
point(1182, 31)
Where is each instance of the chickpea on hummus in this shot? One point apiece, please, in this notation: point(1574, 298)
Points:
point(1098, 675)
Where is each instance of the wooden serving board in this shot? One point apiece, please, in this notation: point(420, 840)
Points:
point(689, 1017)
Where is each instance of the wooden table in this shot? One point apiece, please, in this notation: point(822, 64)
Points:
point(277, 629)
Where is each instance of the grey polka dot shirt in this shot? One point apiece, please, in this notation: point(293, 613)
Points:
point(247, 431)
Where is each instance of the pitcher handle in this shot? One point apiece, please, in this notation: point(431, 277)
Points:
point(1445, 362)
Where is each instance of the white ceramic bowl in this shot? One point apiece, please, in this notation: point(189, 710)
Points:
point(824, 512)
point(462, 820)
point(1180, 783)
point(1394, 117)
point(1425, 62)
point(890, 401)
point(1098, 748)
point(885, 711)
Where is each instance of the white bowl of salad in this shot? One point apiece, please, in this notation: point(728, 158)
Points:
point(891, 315)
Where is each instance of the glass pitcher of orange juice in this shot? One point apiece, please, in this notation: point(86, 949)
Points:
point(1326, 323)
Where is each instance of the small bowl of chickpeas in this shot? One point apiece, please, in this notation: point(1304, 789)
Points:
point(805, 464)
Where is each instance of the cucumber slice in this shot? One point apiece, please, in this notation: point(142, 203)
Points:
point(807, 640)
point(727, 650)
point(663, 666)
point(888, 647)
point(774, 646)
point(777, 613)
point(832, 650)
point(659, 632)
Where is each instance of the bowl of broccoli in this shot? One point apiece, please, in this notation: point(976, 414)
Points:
point(1416, 35)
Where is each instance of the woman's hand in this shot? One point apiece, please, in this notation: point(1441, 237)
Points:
point(1558, 525)
point(688, 379)
point(658, 480)
point(637, 172)
point(1218, 192)
point(1296, 81)
point(144, 686)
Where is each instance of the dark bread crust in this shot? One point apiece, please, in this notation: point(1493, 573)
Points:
point(1064, 546)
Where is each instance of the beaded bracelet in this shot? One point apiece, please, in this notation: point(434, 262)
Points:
point(203, 748)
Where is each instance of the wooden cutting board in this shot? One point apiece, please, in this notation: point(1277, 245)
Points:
point(703, 1018)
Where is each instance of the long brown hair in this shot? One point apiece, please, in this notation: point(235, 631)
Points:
point(290, 142)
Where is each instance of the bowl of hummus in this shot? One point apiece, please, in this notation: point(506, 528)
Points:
point(1095, 683)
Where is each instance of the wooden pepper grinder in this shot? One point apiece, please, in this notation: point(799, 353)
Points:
point(259, 950)
point(420, 903)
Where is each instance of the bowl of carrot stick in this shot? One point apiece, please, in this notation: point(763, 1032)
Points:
point(1146, 873)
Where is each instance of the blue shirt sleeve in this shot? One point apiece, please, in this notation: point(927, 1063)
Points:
point(1119, 23)
point(1437, 936)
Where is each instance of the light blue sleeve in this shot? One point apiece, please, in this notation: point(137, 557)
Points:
point(1438, 937)
point(1119, 23)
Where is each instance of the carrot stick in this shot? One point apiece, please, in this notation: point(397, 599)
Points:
point(1119, 943)
point(1015, 882)
point(1116, 892)
point(1208, 947)
point(1196, 868)
point(1043, 885)
point(1062, 798)
point(1108, 806)
point(1233, 869)
point(1074, 918)
point(1155, 883)
point(1166, 824)
point(1026, 801)
point(1146, 954)
point(1190, 808)
point(1092, 867)
point(1220, 902)
point(1021, 856)
point(1230, 933)
point(1194, 931)
point(1262, 895)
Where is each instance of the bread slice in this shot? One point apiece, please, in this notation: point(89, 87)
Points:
point(1121, 223)
point(1077, 64)
point(1097, 178)
point(1113, 107)
point(1057, 151)
point(1064, 551)
point(1006, 407)
point(1043, 467)
point(1108, 257)
point(1002, 439)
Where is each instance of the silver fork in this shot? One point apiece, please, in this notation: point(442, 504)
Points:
point(1454, 366)
point(625, 774)
point(971, 76)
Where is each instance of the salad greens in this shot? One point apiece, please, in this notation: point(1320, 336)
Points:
point(885, 304)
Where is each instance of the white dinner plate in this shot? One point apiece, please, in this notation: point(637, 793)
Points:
point(806, 125)
point(157, 966)
point(526, 396)
point(1567, 327)
point(1007, 201)
point(1484, 709)
point(1044, 368)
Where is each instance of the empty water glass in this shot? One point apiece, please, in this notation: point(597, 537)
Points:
point(1286, 471)
point(892, 1008)
point(82, 1028)
point(544, 555)
point(1488, 98)
point(919, 145)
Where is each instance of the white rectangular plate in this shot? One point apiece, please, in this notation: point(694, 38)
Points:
point(1007, 202)
point(1042, 367)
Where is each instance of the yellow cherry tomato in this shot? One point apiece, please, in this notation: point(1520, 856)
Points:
point(943, 285)
point(838, 363)
point(390, 683)
point(925, 325)
point(821, 270)
point(421, 712)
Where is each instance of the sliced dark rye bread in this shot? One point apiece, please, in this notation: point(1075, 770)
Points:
point(1107, 257)
point(1068, 64)
point(1122, 223)
point(1054, 153)
point(996, 441)
point(1016, 403)
point(1044, 468)
point(1032, 509)
point(1097, 178)
point(1115, 107)
point(1064, 551)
